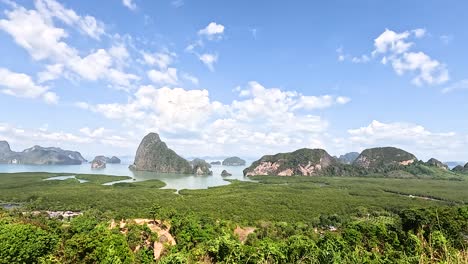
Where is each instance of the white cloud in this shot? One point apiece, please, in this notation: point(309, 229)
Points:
point(209, 60)
point(460, 85)
point(281, 120)
point(22, 85)
point(212, 30)
point(50, 98)
point(52, 72)
point(394, 47)
point(419, 32)
point(35, 32)
point(98, 132)
point(177, 3)
point(87, 24)
point(390, 41)
point(411, 137)
point(130, 4)
point(168, 76)
point(94, 141)
point(190, 78)
point(361, 59)
point(160, 59)
point(427, 70)
point(319, 102)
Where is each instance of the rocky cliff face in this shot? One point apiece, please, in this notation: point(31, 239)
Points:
point(4, 147)
point(154, 155)
point(436, 163)
point(98, 164)
point(383, 157)
point(38, 155)
point(201, 167)
point(234, 161)
point(306, 162)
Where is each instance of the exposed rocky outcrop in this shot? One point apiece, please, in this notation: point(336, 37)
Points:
point(154, 155)
point(38, 155)
point(384, 157)
point(201, 167)
point(348, 158)
point(215, 163)
point(225, 173)
point(113, 160)
point(436, 163)
point(307, 162)
point(234, 161)
point(98, 164)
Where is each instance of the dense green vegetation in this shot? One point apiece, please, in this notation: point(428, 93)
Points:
point(411, 236)
point(295, 220)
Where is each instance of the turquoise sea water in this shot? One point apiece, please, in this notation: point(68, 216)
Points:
point(173, 181)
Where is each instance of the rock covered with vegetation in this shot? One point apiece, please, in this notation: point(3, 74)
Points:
point(38, 155)
point(436, 163)
point(215, 162)
point(306, 162)
point(112, 160)
point(461, 169)
point(98, 163)
point(383, 157)
point(348, 158)
point(225, 173)
point(154, 155)
point(201, 167)
point(234, 161)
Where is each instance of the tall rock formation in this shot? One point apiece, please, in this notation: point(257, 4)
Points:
point(154, 155)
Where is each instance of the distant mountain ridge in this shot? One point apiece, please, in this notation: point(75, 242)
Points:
point(348, 158)
point(381, 162)
point(38, 155)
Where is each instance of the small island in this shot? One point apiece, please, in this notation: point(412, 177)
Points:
point(234, 161)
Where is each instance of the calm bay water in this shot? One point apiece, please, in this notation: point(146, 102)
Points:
point(173, 181)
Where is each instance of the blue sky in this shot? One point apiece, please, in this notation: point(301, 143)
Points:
point(235, 77)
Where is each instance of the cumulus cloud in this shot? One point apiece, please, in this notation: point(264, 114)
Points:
point(22, 85)
point(87, 24)
point(428, 70)
point(209, 60)
point(35, 31)
point(211, 31)
point(160, 59)
point(395, 49)
point(130, 4)
point(165, 77)
point(412, 137)
point(193, 122)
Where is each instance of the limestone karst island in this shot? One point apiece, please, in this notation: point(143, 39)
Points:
point(256, 132)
